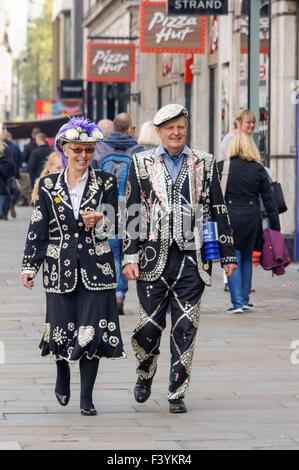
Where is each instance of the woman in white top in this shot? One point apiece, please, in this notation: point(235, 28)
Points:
point(244, 121)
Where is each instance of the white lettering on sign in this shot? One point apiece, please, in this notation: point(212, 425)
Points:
point(196, 5)
point(172, 27)
point(110, 62)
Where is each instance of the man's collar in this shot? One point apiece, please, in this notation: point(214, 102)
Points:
point(163, 151)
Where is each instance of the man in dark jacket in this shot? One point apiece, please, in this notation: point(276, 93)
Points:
point(114, 155)
point(38, 156)
point(174, 189)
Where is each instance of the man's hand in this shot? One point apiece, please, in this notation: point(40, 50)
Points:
point(27, 280)
point(229, 269)
point(91, 218)
point(131, 271)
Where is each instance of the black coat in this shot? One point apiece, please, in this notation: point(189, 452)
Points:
point(37, 160)
point(7, 170)
point(246, 182)
point(28, 148)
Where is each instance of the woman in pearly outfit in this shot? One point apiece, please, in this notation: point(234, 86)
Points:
point(78, 268)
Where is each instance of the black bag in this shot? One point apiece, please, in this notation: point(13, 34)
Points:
point(278, 197)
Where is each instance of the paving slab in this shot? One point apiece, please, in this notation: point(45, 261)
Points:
point(243, 392)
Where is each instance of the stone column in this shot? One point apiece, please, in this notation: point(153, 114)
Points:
point(200, 103)
point(283, 112)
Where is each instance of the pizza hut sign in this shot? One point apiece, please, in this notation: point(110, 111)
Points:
point(110, 62)
point(162, 33)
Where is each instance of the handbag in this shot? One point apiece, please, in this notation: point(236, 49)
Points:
point(278, 197)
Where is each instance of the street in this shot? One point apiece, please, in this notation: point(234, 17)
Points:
point(243, 394)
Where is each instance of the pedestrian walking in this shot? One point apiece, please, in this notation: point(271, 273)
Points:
point(52, 165)
point(167, 184)
point(7, 171)
point(38, 157)
point(114, 155)
point(244, 121)
point(244, 180)
point(78, 268)
point(13, 182)
point(28, 148)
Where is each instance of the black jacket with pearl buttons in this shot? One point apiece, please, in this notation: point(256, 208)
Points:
point(65, 246)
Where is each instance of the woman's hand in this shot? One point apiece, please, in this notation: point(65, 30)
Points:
point(27, 280)
point(91, 218)
point(229, 269)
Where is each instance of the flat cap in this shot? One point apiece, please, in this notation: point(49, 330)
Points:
point(168, 112)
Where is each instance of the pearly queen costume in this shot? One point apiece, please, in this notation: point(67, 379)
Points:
point(172, 266)
point(78, 269)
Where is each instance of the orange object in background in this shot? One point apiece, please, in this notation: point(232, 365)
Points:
point(256, 258)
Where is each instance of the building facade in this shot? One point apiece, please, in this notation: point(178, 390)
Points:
point(219, 84)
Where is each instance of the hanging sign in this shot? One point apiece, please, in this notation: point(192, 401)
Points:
point(110, 62)
point(197, 7)
point(162, 33)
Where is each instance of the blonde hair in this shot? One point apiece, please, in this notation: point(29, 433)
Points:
point(243, 146)
point(148, 134)
point(243, 114)
point(46, 171)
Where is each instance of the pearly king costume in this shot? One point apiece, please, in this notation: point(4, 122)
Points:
point(172, 267)
point(78, 267)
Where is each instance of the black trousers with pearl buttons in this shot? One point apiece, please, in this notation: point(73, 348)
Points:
point(179, 289)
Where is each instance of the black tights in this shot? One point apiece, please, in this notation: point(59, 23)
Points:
point(63, 377)
point(88, 374)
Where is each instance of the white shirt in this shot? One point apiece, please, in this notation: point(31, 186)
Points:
point(76, 192)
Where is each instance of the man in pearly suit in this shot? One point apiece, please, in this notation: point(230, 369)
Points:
point(171, 191)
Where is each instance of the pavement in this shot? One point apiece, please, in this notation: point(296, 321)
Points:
point(244, 391)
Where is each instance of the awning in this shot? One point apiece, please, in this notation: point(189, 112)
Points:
point(23, 129)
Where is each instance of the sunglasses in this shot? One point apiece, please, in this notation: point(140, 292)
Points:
point(80, 150)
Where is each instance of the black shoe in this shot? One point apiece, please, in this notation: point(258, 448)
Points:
point(63, 399)
point(142, 390)
point(177, 406)
point(91, 412)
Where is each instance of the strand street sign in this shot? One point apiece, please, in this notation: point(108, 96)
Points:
point(197, 7)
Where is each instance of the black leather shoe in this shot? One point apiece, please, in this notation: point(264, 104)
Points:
point(91, 412)
point(142, 390)
point(63, 399)
point(177, 406)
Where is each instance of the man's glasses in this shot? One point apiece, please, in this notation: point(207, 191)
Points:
point(80, 150)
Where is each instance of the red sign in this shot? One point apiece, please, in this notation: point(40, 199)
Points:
point(43, 109)
point(110, 62)
point(162, 33)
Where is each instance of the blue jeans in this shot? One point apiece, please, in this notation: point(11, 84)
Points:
point(240, 282)
point(2, 199)
point(122, 281)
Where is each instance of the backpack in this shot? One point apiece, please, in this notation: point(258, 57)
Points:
point(117, 162)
